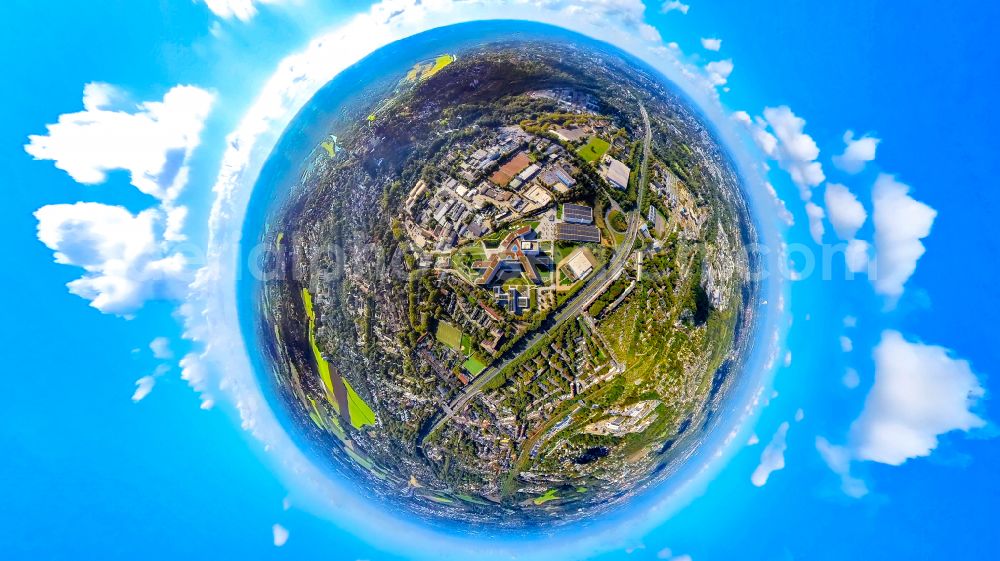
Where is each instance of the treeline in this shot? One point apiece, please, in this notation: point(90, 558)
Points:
point(610, 295)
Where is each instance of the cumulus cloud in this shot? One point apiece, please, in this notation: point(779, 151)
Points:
point(838, 459)
point(126, 258)
point(772, 458)
point(161, 348)
point(795, 150)
point(280, 535)
point(857, 152)
point(193, 372)
point(920, 392)
point(675, 5)
point(847, 214)
point(718, 71)
point(815, 214)
point(143, 386)
point(900, 223)
point(124, 261)
point(151, 140)
point(711, 44)
point(856, 255)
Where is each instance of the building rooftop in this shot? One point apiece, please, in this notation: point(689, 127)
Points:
point(578, 213)
point(617, 172)
point(566, 231)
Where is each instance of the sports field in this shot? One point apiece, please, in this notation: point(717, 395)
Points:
point(593, 149)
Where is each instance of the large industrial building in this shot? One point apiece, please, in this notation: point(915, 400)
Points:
point(568, 232)
point(578, 214)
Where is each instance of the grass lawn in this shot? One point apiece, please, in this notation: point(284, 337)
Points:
point(466, 345)
point(474, 365)
point(449, 335)
point(617, 220)
point(562, 250)
point(516, 281)
point(593, 149)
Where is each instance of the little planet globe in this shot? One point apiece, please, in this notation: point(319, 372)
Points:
point(505, 280)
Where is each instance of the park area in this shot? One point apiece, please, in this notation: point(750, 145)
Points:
point(593, 149)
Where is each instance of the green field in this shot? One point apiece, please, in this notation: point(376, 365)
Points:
point(449, 335)
point(474, 365)
point(361, 414)
point(617, 221)
point(422, 71)
point(549, 495)
point(593, 149)
point(463, 259)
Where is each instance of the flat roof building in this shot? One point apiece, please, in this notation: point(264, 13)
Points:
point(566, 231)
point(616, 172)
point(580, 263)
point(578, 214)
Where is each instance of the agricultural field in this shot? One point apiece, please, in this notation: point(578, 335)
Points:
point(425, 70)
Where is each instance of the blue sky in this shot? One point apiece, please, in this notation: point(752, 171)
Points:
point(89, 472)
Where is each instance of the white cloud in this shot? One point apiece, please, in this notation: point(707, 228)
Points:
point(857, 152)
point(711, 44)
point(900, 223)
point(243, 10)
point(124, 262)
point(667, 554)
point(799, 415)
point(920, 392)
point(783, 213)
point(856, 255)
point(152, 140)
point(838, 459)
point(675, 5)
point(851, 379)
point(795, 151)
point(143, 386)
point(161, 348)
point(815, 214)
point(194, 373)
point(753, 440)
point(126, 258)
point(847, 214)
point(719, 71)
point(846, 344)
point(772, 458)
point(280, 535)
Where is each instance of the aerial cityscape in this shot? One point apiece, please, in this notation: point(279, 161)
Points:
point(499, 280)
point(506, 285)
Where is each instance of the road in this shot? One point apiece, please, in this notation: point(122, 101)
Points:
point(594, 288)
